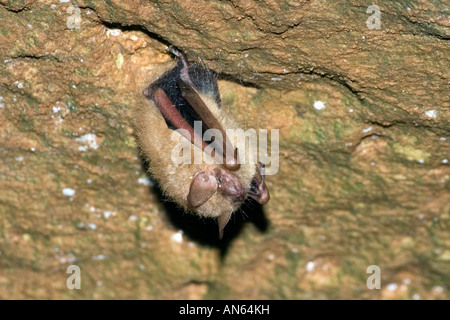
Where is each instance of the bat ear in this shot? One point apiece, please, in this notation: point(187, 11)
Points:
point(223, 220)
point(258, 189)
point(202, 188)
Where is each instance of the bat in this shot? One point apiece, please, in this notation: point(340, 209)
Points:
point(184, 94)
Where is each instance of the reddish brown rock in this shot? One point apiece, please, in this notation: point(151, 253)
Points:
point(364, 138)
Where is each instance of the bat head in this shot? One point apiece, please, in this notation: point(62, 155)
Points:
point(220, 191)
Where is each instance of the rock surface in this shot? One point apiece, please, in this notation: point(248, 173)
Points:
point(363, 117)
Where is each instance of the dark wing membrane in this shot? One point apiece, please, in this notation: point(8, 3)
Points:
point(169, 84)
point(204, 81)
point(223, 143)
point(176, 94)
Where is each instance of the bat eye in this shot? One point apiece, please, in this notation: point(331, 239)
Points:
point(202, 188)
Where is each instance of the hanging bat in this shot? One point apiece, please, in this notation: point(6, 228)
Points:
point(186, 93)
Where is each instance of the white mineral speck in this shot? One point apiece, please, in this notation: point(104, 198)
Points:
point(420, 161)
point(53, 6)
point(445, 161)
point(134, 38)
point(92, 226)
point(63, 1)
point(145, 181)
point(271, 257)
point(391, 287)
point(107, 214)
point(69, 192)
point(177, 237)
point(416, 296)
point(19, 158)
point(149, 228)
point(431, 113)
point(32, 149)
point(99, 283)
point(113, 32)
point(90, 139)
point(99, 257)
point(319, 105)
point(276, 79)
point(351, 110)
point(367, 129)
point(80, 225)
point(372, 163)
point(132, 218)
point(437, 289)
point(89, 181)
point(442, 138)
point(310, 266)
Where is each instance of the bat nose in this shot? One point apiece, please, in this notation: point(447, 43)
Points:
point(230, 186)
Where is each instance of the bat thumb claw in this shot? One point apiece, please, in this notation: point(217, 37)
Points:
point(232, 163)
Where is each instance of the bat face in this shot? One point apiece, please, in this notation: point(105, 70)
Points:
point(181, 98)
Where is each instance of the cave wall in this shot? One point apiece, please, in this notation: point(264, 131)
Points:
point(363, 116)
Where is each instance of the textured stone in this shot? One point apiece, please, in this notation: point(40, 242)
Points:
point(363, 179)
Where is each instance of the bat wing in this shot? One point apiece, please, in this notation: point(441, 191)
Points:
point(222, 142)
